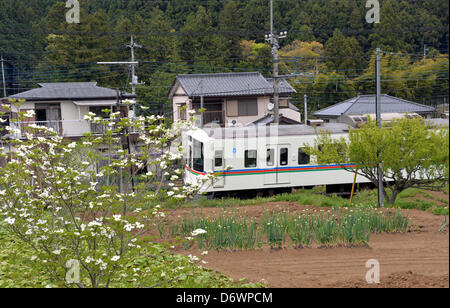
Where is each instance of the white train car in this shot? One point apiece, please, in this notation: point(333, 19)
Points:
point(263, 158)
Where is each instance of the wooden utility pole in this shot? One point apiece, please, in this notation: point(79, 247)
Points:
point(3, 77)
point(378, 112)
point(273, 39)
point(134, 78)
point(306, 108)
point(201, 104)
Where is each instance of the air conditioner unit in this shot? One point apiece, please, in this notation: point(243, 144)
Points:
point(314, 123)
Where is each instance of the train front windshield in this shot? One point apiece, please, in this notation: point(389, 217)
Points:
point(198, 161)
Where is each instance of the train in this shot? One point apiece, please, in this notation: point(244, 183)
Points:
point(264, 159)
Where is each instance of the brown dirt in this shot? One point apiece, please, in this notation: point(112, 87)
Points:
point(419, 258)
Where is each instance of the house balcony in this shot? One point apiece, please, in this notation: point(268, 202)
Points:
point(216, 117)
point(23, 128)
point(76, 128)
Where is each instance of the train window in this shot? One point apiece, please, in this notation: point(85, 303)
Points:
point(250, 158)
point(190, 157)
point(270, 159)
point(198, 160)
point(218, 159)
point(303, 158)
point(284, 156)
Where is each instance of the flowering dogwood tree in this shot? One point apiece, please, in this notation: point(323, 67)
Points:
point(83, 205)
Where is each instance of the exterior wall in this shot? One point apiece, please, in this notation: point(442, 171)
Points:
point(72, 116)
point(230, 109)
point(22, 107)
point(73, 123)
point(262, 102)
point(180, 99)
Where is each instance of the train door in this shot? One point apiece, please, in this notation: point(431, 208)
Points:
point(277, 157)
point(283, 176)
point(270, 176)
point(219, 165)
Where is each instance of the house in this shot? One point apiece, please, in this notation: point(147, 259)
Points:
point(364, 105)
point(231, 99)
point(63, 105)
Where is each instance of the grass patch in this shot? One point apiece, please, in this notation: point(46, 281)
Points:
point(316, 197)
point(337, 227)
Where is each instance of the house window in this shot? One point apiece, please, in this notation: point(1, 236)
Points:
point(182, 112)
point(303, 158)
point(250, 158)
point(49, 115)
point(99, 111)
point(248, 107)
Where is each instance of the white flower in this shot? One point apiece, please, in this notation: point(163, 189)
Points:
point(29, 114)
point(163, 274)
point(10, 220)
point(193, 258)
point(56, 251)
point(115, 258)
point(198, 232)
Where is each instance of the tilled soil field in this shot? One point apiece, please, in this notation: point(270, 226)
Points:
point(418, 258)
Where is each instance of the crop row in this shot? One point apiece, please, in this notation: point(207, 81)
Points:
point(336, 227)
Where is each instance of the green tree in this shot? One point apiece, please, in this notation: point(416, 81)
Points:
point(230, 26)
point(343, 53)
point(411, 153)
point(197, 41)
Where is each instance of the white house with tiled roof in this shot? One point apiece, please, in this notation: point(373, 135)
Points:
point(231, 99)
point(63, 105)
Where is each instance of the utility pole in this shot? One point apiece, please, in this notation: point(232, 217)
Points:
point(378, 112)
point(134, 78)
point(425, 49)
point(201, 103)
point(132, 63)
point(3, 77)
point(273, 39)
point(306, 109)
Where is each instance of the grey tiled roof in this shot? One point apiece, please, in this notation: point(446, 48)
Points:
point(365, 104)
point(268, 119)
point(69, 91)
point(284, 86)
point(227, 84)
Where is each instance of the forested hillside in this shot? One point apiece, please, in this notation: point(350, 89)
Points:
point(328, 37)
